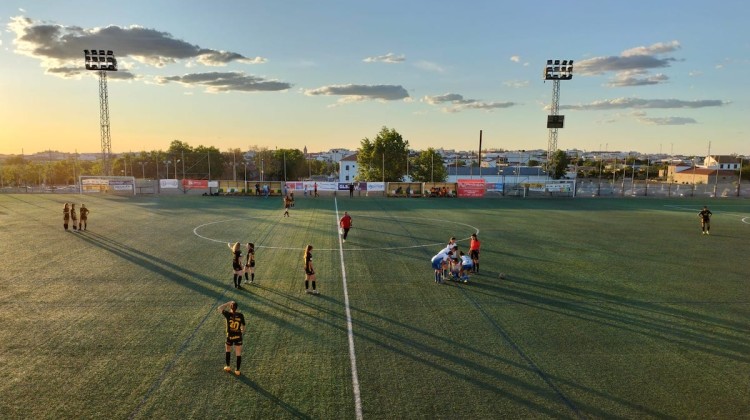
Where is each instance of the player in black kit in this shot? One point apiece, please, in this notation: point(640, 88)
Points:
point(705, 216)
point(236, 264)
point(235, 328)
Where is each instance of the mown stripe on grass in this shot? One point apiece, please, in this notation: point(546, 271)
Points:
point(157, 383)
point(536, 369)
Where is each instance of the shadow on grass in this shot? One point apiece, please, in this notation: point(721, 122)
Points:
point(273, 399)
point(173, 272)
point(637, 316)
point(419, 352)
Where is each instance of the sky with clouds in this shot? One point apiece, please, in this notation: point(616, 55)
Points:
point(649, 76)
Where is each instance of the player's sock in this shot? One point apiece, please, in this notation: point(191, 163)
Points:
point(313, 282)
point(252, 277)
point(235, 280)
point(239, 362)
point(226, 357)
point(307, 284)
point(245, 276)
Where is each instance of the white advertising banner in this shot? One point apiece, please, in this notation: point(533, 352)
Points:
point(169, 183)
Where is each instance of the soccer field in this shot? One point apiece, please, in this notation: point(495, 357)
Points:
point(611, 308)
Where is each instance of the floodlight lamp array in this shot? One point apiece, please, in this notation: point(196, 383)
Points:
point(558, 70)
point(100, 60)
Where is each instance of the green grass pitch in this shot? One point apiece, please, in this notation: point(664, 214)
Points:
point(611, 308)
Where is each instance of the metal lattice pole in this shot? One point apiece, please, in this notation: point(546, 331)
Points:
point(104, 124)
point(556, 70)
point(555, 110)
point(103, 61)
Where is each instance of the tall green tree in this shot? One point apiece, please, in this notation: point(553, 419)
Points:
point(428, 167)
point(559, 164)
point(383, 158)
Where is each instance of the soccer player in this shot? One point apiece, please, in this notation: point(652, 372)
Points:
point(474, 252)
point(345, 223)
point(236, 264)
point(315, 189)
point(439, 263)
point(250, 262)
point(705, 216)
point(466, 266)
point(66, 216)
point(73, 216)
point(287, 204)
point(309, 271)
point(451, 244)
point(455, 267)
point(235, 328)
point(84, 218)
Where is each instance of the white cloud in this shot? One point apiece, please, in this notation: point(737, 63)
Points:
point(631, 67)
point(389, 58)
point(636, 78)
point(515, 58)
point(666, 120)
point(458, 103)
point(658, 48)
point(358, 93)
point(637, 103)
point(225, 82)
point(62, 46)
point(429, 66)
point(516, 83)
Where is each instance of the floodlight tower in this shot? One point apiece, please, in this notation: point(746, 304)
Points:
point(556, 70)
point(103, 61)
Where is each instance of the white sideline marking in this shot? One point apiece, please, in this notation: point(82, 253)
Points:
point(349, 332)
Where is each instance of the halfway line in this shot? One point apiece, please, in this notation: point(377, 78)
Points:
point(350, 333)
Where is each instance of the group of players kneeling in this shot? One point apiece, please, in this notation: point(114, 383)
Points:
point(452, 264)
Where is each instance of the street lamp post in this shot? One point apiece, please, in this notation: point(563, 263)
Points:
point(692, 192)
point(244, 188)
point(739, 179)
point(143, 170)
point(599, 187)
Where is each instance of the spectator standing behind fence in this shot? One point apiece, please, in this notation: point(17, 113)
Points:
point(315, 189)
point(351, 190)
point(257, 189)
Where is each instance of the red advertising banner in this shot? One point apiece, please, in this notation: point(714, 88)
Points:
point(195, 183)
point(471, 188)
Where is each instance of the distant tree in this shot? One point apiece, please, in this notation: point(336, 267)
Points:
point(388, 151)
point(533, 162)
point(559, 164)
point(428, 167)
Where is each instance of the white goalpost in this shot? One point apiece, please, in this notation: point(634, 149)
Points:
point(92, 184)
